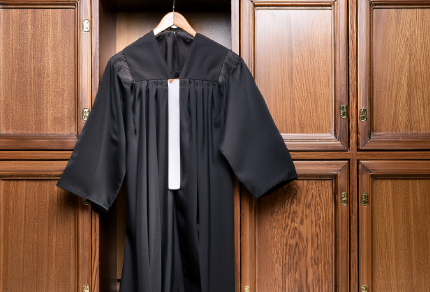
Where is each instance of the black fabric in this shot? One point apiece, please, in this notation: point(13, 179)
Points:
point(251, 141)
point(97, 166)
point(175, 46)
point(177, 240)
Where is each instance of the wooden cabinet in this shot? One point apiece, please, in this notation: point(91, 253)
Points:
point(393, 109)
point(310, 59)
point(347, 84)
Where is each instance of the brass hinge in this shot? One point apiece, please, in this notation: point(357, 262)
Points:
point(86, 288)
point(86, 25)
point(364, 199)
point(247, 289)
point(343, 111)
point(364, 288)
point(363, 114)
point(85, 113)
point(85, 201)
point(344, 199)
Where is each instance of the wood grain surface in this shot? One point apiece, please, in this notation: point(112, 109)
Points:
point(393, 74)
point(297, 239)
point(394, 246)
point(45, 242)
point(38, 84)
point(298, 54)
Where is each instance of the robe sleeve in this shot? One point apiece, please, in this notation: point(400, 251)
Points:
point(251, 141)
point(97, 166)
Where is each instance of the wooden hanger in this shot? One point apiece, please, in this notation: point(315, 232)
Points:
point(174, 19)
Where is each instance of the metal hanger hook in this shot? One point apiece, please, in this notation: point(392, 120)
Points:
point(173, 5)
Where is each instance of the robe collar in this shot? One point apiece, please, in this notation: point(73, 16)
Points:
point(161, 62)
point(146, 62)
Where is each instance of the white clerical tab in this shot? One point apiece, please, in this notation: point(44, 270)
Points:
point(174, 154)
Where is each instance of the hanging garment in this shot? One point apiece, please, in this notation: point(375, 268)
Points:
point(178, 239)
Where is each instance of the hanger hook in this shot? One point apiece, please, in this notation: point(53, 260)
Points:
point(173, 5)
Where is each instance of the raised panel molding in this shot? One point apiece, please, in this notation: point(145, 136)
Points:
point(393, 74)
point(45, 80)
point(306, 44)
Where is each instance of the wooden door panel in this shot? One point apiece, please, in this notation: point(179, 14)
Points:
point(393, 74)
point(394, 247)
point(45, 242)
point(297, 239)
point(297, 52)
point(45, 61)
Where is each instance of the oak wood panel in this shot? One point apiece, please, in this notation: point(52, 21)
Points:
point(393, 74)
point(288, 43)
point(45, 231)
point(297, 52)
point(394, 230)
point(45, 73)
point(401, 101)
point(297, 239)
point(43, 76)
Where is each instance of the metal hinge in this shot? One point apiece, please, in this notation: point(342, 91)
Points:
point(85, 113)
point(344, 199)
point(363, 114)
point(86, 288)
point(364, 288)
point(343, 111)
point(246, 288)
point(86, 25)
point(364, 199)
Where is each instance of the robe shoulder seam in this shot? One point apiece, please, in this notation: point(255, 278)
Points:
point(121, 65)
point(231, 59)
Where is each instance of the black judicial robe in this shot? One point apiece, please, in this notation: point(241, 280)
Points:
point(177, 240)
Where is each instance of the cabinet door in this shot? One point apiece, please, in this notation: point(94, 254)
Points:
point(45, 241)
point(394, 230)
point(394, 74)
point(45, 81)
point(297, 52)
point(297, 238)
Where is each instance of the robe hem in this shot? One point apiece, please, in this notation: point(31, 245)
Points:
point(284, 181)
point(82, 194)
